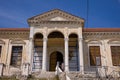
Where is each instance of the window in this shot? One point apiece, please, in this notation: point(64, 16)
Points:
point(37, 59)
point(115, 51)
point(95, 57)
point(0, 50)
point(38, 50)
point(73, 53)
point(16, 56)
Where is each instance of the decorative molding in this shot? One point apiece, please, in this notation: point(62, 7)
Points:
point(94, 42)
point(55, 24)
point(2, 42)
point(114, 41)
point(17, 41)
point(14, 35)
point(53, 14)
point(101, 35)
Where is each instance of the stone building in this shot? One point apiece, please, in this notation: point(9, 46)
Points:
point(58, 36)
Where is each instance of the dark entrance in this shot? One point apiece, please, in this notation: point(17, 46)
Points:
point(54, 58)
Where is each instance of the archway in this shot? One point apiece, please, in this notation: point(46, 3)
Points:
point(56, 44)
point(38, 50)
point(55, 40)
point(54, 58)
point(73, 52)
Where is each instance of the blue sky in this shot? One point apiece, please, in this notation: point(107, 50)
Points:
point(102, 13)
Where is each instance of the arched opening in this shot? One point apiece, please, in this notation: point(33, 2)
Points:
point(56, 57)
point(38, 50)
point(55, 43)
point(55, 39)
point(73, 52)
point(56, 34)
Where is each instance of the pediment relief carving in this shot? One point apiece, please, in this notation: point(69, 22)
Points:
point(55, 15)
point(58, 19)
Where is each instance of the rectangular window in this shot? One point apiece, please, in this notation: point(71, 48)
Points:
point(115, 51)
point(16, 56)
point(0, 50)
point(95, 57)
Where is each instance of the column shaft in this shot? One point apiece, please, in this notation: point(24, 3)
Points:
point(31, 52)
point(66, 55)
point(81, 62)
point(44, 54)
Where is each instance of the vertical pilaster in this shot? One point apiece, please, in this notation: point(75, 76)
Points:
point(66, 55)
point(1, 69)
point(81, 62)
point(31, 45)
point(44, 54)
point(31, 52)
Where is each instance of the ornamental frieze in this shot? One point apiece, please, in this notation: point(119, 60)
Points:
point(101, 35)
point(14, 34)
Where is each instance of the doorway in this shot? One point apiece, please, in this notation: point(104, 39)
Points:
point(54, 58)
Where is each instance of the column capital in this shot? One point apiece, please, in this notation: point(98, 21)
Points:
point(80, 39)
point(45, 39)
point(31, 39)
point(66, 39)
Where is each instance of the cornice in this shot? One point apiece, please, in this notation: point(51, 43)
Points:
point(58, 24)
point(14, 34)
point(101, 35)
point(101, 29)
point(35, 23)
point(54, 13)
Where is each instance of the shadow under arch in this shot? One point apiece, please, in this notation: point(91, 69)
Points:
point(56, 34)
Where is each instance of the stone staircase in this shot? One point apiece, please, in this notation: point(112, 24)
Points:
point(62, 76)
point(47, 75)
point(80, 76)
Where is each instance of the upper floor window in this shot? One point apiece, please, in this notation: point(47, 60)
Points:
point(16, 56)
point(115, 51)
point(0, 50)
point(95, 57)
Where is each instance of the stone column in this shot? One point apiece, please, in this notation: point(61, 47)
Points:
point(81, 62)
point(1, 69)
point(44, 54)
point(31, 53)
point(66, 55)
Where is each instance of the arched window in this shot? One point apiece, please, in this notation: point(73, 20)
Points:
point(38, 52)
point(73, 52)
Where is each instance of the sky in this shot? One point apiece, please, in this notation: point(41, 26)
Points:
point(101, 13)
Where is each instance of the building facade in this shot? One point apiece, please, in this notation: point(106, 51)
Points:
point(57, 37)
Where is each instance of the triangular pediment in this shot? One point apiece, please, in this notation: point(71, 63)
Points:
point(55, 15)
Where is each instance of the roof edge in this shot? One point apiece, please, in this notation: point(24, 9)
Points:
point(14, 29)
point(101, 29)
